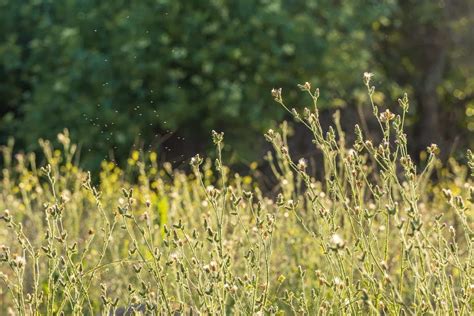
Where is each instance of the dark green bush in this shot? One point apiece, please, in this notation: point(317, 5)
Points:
point(117, 71)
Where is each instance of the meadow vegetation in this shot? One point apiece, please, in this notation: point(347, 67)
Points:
point(377, 234)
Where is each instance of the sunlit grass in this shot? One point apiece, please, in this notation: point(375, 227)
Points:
point(374, 236)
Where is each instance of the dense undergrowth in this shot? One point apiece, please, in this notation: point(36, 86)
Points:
point(375, 236)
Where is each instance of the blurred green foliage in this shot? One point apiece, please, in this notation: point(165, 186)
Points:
point(115, 72)
point(426, 48)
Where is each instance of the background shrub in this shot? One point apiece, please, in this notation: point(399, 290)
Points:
point(116, 72)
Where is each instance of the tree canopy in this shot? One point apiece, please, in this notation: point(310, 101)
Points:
point(116, 72)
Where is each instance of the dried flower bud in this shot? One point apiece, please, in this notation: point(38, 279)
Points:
point(247, 195)
point(234, 289)
point(387, 116)
point(433, 149)
point(295, 113)
point(404, 104)
point(337, 242)
point(270, 135)
point(213, 265)
point(367, 77)
point(338, 283)
point(447, 194)
point(452, 230)
point(20, 261)
point(217, 138)
point(290, 204)
point(276, 94)
point(305, 87)
point(6, 216)
point(196, 161)
point(302, 165)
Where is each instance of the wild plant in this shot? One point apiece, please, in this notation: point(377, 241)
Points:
point(375, 235)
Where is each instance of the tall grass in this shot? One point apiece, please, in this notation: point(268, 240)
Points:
point(375, 236)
